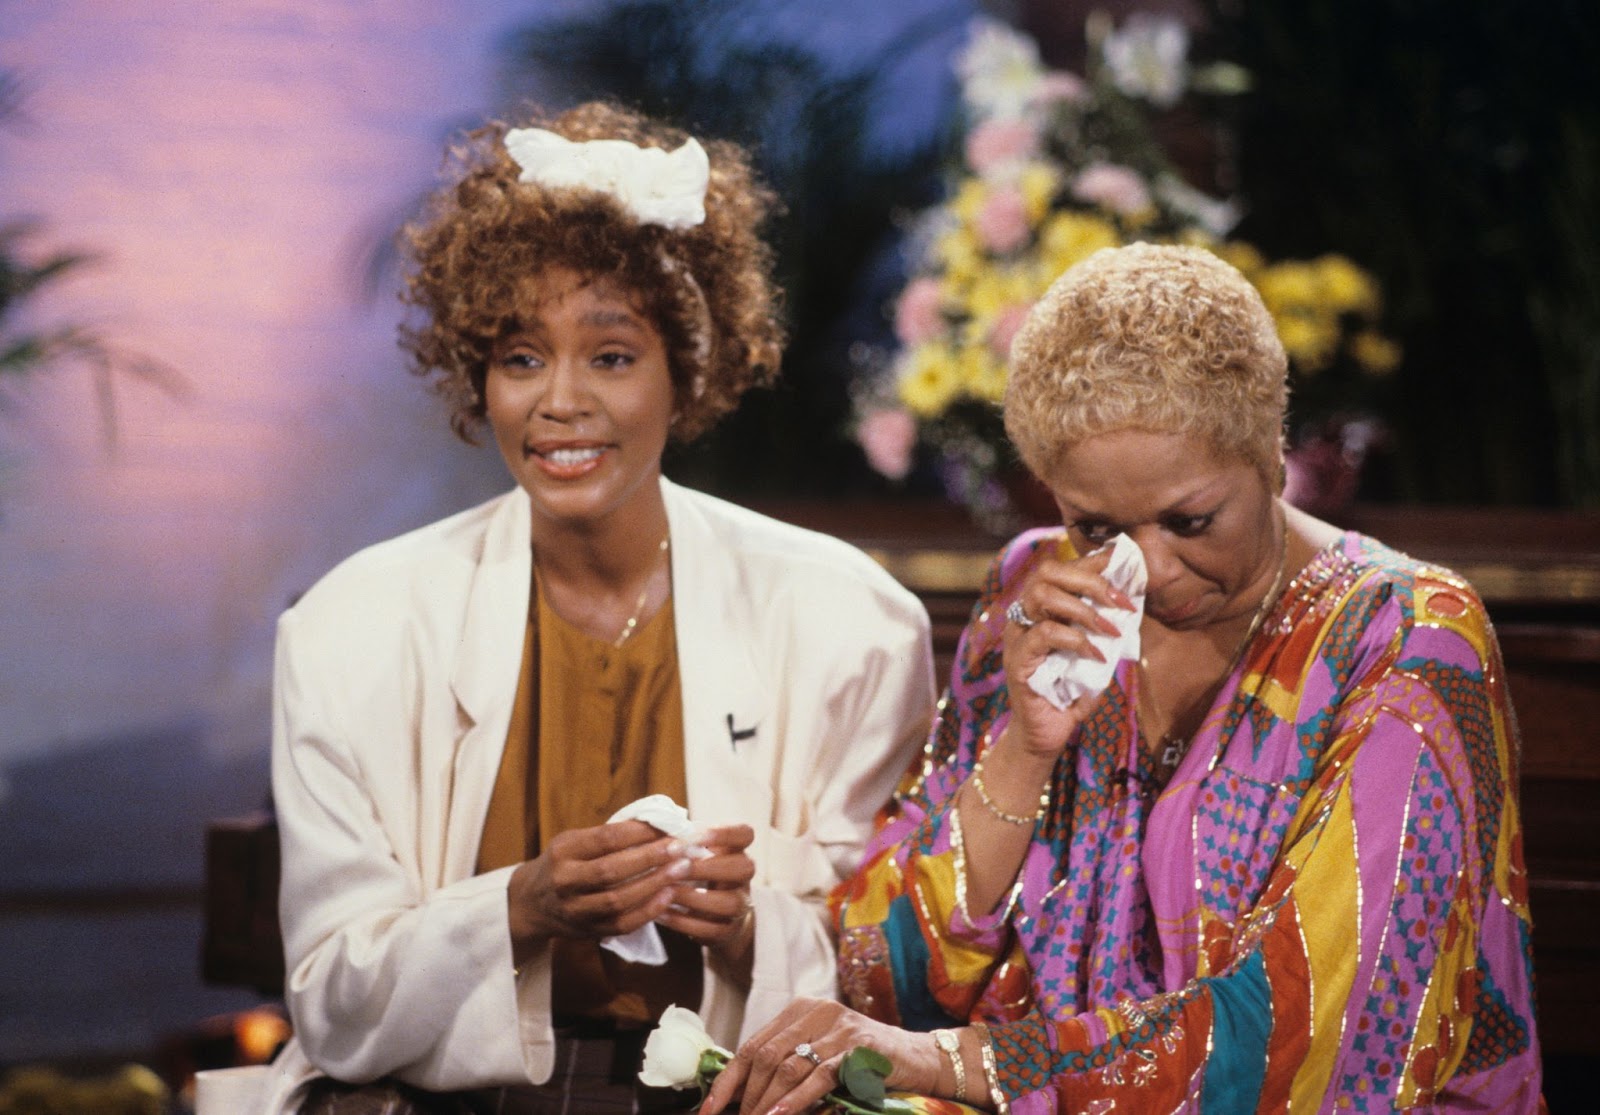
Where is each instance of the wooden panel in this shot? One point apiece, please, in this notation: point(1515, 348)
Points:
point(242, 946)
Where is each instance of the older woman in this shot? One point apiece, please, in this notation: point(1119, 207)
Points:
point(461, 711)
point(1275, 864)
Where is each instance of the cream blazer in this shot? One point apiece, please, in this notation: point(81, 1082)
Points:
point(807, 684)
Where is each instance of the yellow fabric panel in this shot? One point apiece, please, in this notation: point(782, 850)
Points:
point(936, 890)
point(1327, 885)
point(871, 891)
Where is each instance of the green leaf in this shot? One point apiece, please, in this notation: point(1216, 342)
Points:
point(862, 1074)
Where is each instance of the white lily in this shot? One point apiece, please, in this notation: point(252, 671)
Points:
point(1149, 58)
point(1000, 71)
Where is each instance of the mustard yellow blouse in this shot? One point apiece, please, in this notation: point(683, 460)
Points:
point(608, 730)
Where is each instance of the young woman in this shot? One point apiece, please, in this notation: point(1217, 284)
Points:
point(460, 711)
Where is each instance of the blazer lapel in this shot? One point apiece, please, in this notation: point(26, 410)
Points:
point(484, 680)
point(728, 730)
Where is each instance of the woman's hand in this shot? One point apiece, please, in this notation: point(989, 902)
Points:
point(772, 1078)
point(712, 903)
point(593, 883)
point(1053, 598)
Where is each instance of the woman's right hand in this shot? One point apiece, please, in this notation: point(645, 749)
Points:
point(1054, 598)
point(593, 883)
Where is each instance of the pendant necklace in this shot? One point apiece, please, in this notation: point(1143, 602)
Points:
point(638, 606)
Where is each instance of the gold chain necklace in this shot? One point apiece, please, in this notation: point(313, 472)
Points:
point(1175, 747)
point(638, 605)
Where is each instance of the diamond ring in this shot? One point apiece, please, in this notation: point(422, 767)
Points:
point(1016, 615)
point(804, 1050)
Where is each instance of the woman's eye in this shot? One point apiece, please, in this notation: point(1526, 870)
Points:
point(1189, 526)
point(518, 361)
point(1096, 533)
point(614, 359)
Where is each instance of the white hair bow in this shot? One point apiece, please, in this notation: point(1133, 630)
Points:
point(658, 187)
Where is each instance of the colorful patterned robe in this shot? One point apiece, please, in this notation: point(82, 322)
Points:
point(1325, 910)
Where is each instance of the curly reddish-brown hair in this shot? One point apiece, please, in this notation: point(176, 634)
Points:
point(487, 238)
point(1161, 338)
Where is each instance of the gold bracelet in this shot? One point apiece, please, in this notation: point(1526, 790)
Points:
point(947, 1041)
point(995, 810)
point(991, 1073)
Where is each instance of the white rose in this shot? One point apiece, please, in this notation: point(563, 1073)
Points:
point(673, 1050)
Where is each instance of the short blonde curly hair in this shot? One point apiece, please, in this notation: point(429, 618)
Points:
point(708, 289)
point(1159, 338)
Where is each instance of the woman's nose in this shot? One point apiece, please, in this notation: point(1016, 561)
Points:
point(1160, 563)
point(566, 392)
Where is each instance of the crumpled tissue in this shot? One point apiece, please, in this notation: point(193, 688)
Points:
point(1063, 678)
point(643, 945)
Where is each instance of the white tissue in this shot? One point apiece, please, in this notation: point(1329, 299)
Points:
point(643, 945)
point(1062, 678)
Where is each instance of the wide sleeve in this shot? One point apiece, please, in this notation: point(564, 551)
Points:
point(859, 679)
point(909, 950)
point(387, 975)
point(1384, 964)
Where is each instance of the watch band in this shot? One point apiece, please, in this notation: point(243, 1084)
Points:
point(947, 1041)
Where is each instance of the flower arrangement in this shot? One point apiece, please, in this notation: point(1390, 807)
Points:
point(680, 1054)
point(1055, 167)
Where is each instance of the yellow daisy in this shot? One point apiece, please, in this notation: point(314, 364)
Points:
point(931, 380)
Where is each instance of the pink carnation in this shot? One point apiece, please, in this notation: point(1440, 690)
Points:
point(995, 143)
point(1002, 221)
point(1118, 188)
point(916, 315)
point(1004, 329)
point(888, 436)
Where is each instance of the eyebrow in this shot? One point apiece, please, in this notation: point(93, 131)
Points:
point(535, 327)
point(1203, 494)
point(613, 317)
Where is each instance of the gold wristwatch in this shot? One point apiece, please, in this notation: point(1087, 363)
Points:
point(947, 1041)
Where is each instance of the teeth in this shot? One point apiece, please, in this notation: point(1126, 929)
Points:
point(569, 457)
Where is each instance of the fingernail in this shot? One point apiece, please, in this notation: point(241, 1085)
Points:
point(677, 848)
point(1122, 598)
point(677, 869)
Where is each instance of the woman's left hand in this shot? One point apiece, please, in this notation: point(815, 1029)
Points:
point(774, 1079)
point(711, 906)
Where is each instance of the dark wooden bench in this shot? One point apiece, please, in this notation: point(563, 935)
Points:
point(1539, 573)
